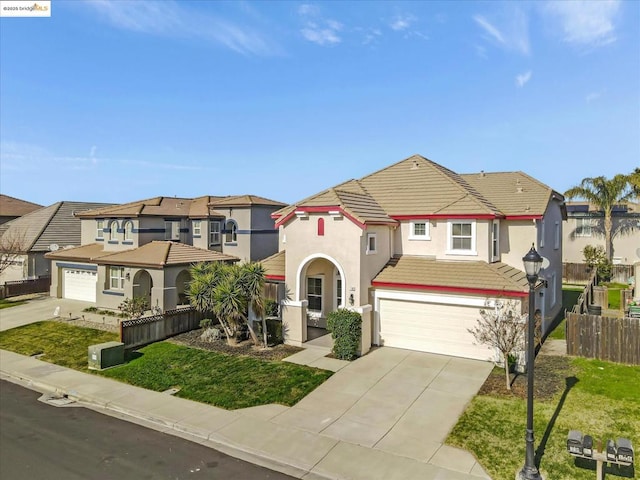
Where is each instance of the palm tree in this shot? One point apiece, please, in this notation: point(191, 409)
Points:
point(634, 180)
point(230, 304)
point(604, 194)
point(253, 278)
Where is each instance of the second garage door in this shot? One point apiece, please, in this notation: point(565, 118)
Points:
point(430, 327)
point(80, 285)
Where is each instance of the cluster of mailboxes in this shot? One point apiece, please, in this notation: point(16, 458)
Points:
point(618, 451)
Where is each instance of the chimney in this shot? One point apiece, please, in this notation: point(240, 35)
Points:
point(482, 174)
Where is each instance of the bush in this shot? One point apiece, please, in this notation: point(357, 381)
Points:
point(271, 308)
point(206, 323)
point(274, 331)
point(346, 330)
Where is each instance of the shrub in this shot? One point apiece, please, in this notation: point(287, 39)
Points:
point(346, 330)
point(133, 307)
point(271, 308)
point(206, 323)
point(274, 331)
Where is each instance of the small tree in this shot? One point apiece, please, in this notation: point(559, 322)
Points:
point(134, 307)
point(12, 246)
point(503, 328)
point(596, 258)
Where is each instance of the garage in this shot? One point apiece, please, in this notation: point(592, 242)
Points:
point(80, 285)
point(430, 327)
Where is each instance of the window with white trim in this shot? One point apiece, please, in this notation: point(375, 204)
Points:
point(584, 227)
point(419, 230)
point(372, 243)
point(314, 293)
point(116, 278)
point(100, 229)
point(553, 289)
point(542, 233)
point(462, 237)
point(556, 235)
point(197, 228)
point(172, 230)
point(214, 232)
point(338, 289)
point(231, 231)
point(128, 231)
point(495, 240)
point(113, 230)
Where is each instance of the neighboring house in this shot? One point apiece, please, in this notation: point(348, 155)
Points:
point(585, 226)
point(12, 208)
point(41, 231)
point(145, 248)
point(417, 249)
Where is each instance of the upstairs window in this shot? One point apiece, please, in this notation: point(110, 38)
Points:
point(372, 243)
point(113, 231)
point(495, 240)
point(556, 235)
point(419, 230)
point(214, 232)
point(197, 228)
point(584, 227)
point(128, 231)
point(320, 227)
point(231, 234)
point(462, 237)
point(100, 229)
point(172, 230)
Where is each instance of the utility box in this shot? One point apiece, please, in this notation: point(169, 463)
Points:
point(574, 442)
point(625, 450)
point(105, 355)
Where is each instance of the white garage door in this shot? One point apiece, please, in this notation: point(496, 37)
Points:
point(430, 327)
point(80, 285)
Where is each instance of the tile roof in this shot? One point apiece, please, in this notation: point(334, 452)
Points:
point(84, 253)
point(14, 207)
point(441, 275)
point(55, 224)
point(514, 193)
point(274, 265)
point(243, 201)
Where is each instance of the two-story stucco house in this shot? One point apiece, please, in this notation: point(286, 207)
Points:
point(145, 248)
point(417, 249)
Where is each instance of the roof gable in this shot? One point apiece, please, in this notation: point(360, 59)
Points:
point(15, 207)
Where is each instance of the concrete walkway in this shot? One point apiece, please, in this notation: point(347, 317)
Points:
point(382, 416)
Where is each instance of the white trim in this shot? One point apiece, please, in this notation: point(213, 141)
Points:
point(556, 236)
point(302, 268)
point(322, 282)
point(542, 233)
point(375, 249)
point(302, 214)
point(335, 213)
point(361, 309)
point(196, 224)
point(294, 303)
point(336, 277)
point(450, 250)
point(495, 238)
point(427, 230)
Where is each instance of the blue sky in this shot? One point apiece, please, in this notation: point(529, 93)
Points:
point(116, 101)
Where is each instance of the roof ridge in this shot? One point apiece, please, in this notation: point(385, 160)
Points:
point(46, 224)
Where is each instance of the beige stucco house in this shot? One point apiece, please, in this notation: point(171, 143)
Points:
point(145, 248)
point(417, 249)
point(585, 226)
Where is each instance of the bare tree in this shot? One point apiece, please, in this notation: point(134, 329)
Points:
point(11, 248)
point(502, 327)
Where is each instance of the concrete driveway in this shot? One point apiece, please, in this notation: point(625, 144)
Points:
point(40, 308)
point(399, 401)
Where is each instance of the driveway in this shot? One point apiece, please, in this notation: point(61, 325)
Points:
point(398, 401)
point(40, 308)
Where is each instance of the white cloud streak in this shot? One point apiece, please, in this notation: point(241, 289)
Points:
point(523, 78)
point(586, 23)
point(510, 31)
point(402, 22)
point(171, 19)
point(319, 30)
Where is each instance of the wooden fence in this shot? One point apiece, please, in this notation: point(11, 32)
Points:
point(581, 273)
point(24, 287)
point(604, 338)
point(143, 331)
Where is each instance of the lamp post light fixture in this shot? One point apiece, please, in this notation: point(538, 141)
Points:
point(532, 263)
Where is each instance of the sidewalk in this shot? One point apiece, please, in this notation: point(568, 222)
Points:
point(257, 434)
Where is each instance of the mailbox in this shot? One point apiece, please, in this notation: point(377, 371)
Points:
point(625, 450)
point(587, 446)
point(611, 451)
point(574, 442)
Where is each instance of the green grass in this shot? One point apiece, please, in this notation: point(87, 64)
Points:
point(614, 294)
point(60, 343)
point(570, 294)
point(604, 402)
point(4, 303)
point(227, 381)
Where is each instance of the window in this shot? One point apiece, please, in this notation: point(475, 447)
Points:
point(113, 231)
point(462, 237)
point(100, 229)
point(371, 243)
point(338, 290)
point(320, 227)
point(584, 227)
point(419, 230)
point(553, 289)
point(128, 231)
point(495, 240)
point(542, 233)
point(197, 228)
point(214, 233)
point(556, 235)
point(314, 293)
point(172, 230)
point(231, 232)
point(116, 278)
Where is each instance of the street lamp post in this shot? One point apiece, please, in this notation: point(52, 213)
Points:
point(532, 263)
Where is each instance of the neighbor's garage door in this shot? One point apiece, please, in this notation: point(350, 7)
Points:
point(430, 327)
point(80, 285)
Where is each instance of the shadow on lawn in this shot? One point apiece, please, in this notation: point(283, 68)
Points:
point(570, 382)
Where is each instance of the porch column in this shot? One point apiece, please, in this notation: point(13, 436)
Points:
point(294, 322)
point(365, 312)
point(166, 297)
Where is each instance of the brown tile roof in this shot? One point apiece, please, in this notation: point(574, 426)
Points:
point(14, 207)
point(275, 265)
point(514, 193)
point(164, 253)
point(453, 275)
point(85, 253)
point(55, 224)
point(243, 201)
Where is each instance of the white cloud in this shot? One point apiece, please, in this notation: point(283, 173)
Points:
point(171, 19)
point(590, 23)
point(509, 30)
point(523, 78)
point(402, 22)
point(25, 157)
point(370, 35)
point(308, 9)
point(319, 30)
point(592, 96)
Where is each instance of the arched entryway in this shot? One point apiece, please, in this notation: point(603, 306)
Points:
point(142, 285)
point(182, 286)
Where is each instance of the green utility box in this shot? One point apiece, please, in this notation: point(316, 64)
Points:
point(105, 355)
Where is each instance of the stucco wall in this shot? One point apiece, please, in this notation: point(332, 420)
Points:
point(625, 242)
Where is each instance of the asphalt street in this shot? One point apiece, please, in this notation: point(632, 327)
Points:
point(41, 441)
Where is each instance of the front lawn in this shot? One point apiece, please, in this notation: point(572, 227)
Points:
point(228, 381)
point(614, 294)
point(570, 294)
point(4, 303)
point(599, 398)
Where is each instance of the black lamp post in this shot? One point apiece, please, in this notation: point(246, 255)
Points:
point(532, 263)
